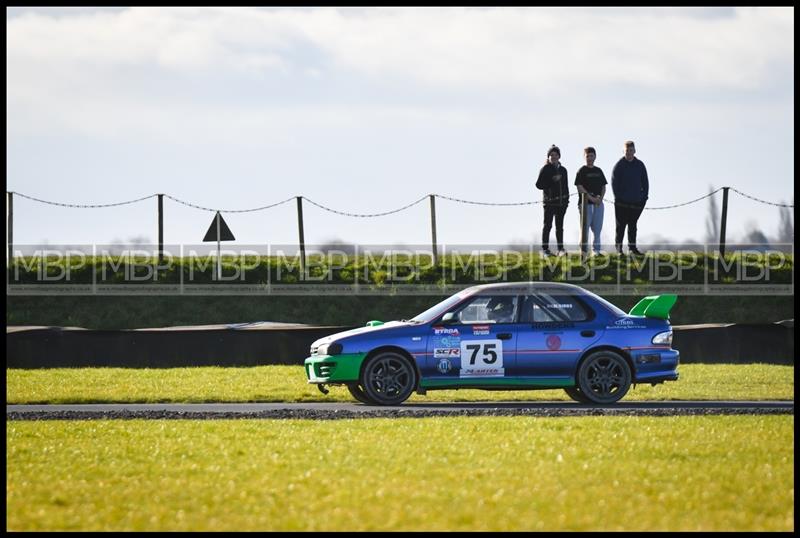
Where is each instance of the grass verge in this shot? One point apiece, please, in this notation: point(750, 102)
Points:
point(459, 473)
point(288, 384)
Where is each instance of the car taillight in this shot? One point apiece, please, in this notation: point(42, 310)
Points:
point(664, 338)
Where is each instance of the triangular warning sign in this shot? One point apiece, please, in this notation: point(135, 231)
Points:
point(225, 233)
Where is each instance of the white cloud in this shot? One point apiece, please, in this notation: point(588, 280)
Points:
point(536, 49)
point(146, 70)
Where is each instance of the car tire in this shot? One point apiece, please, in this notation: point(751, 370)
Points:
point(604, 377)
point(358, 393)
point(576, 394)
point(388, 378)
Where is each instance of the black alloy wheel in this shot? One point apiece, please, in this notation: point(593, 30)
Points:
point(358, 393)
point(576, 394)
point(604, 377)
point(388, 378)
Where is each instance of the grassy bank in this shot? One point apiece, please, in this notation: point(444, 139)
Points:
point(728, 473)
point(474, 265)
point(288, 384)
point(379, 273)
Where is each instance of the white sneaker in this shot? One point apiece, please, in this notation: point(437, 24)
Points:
point(562, 253)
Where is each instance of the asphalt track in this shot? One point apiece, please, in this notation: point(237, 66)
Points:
point(327, 411)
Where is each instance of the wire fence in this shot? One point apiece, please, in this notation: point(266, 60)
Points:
point(432, 197)
point(381, 214)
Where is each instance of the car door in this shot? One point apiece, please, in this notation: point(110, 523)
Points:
point(479, 345)
point(556, 329)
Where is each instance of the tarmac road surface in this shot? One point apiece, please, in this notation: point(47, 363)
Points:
point(339, 410)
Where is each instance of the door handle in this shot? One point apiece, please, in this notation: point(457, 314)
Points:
point(587, 333)
point(504, 336)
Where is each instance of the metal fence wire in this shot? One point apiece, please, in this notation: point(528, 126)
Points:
point(383, 213)
point(299, 199)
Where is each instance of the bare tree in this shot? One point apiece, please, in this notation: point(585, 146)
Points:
point(754, 238)
point(712, 223)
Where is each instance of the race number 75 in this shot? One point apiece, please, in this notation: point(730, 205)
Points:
point(487, 352)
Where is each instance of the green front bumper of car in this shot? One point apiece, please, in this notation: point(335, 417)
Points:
point(344, 368)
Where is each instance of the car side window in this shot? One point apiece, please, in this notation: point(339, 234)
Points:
point(547, 308)
point(490, 309)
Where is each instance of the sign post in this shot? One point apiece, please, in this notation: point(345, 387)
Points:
point(218, 231)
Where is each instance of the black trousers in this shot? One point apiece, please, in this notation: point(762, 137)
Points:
point(627, 215)
point(558, 212)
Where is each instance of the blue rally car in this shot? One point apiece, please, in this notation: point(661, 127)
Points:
point(538, 335)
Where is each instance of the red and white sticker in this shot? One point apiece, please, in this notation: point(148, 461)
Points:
point(480, 329)
point(553, 342)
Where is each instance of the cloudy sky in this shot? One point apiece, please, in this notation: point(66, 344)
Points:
point(367, 110)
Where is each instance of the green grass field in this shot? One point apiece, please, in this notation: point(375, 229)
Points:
point(288, 384)
point(722, 473)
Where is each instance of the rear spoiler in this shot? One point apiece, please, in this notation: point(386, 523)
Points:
point(654, 306)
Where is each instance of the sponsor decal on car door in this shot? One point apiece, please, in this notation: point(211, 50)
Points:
point(472, 351)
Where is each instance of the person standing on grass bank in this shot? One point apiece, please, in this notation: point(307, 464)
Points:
point(553, 181)
point(591, 183)
point(631, 187)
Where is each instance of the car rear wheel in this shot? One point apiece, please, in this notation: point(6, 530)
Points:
point(576, 394)
point(604, 377)
point(388, 379)
point(358, 393)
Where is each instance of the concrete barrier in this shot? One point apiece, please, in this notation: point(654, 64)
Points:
point(210, 345)
point(254, 344)
point(736, 342)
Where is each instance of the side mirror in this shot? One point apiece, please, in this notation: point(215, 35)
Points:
point(449, 318)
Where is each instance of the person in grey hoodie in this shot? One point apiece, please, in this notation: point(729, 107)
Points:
point(553, 181)
point(631, 188)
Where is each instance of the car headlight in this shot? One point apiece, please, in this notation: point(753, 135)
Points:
point(664, 338)
point(332, 348)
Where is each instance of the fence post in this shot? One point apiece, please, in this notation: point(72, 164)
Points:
point(160, 229)
point(302, 238)
point(582, 201)
point(10, 226)
point(724, 221)
point(433, 230)
point(219, 250)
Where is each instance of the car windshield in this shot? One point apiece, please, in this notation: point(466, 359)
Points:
point(440, 308)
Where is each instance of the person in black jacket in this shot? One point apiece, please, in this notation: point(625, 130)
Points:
point(631, 189)
point(553, 181)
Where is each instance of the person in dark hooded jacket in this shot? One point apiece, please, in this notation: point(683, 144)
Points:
point(553, 182)
point(631, 190)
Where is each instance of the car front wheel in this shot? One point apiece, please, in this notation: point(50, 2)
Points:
point(604, 377)
point(358, 393)
point(576, 394)
point(388, 378)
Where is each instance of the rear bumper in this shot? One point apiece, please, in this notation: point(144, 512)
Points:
point(343, 368)
point(656, 365)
